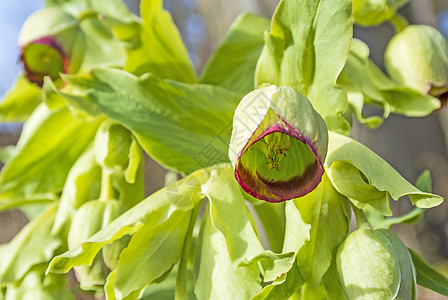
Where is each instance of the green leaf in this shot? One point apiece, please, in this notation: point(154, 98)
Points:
point(20, 101)
point(36, 172)
point(241, 236)
point(331, 283)
point(153, 250)
point(363, 79)
point(272, 216)
point(424, 182)
point(308, 292)
point(429, 277)
point(283, 288)
point(102, 48)
point(155, 45)
point(83, 184)
point(110, 291)
point(115, 8)
point(218, 278)
point(233, 63)
point(328, 213)
point(38, 286)
point(33, 245)
point(377, 172)
point(153, 211)
point(184, 127)
point(306, 49)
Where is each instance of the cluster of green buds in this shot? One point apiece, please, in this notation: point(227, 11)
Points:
point(417, 57)
point(370, 13)
point(279, 143)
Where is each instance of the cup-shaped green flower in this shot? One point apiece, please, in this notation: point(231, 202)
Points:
point(375, 12)
point(278, 144)
point(418, 58)
point(50, 43)
point(375, 264)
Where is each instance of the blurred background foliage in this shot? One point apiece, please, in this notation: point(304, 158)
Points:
point(410, 145)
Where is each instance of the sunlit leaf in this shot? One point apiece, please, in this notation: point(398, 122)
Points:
point(306, 49)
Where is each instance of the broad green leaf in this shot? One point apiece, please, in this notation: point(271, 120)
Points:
point(241, 236)
point(33, 245)
point(153, 250)
point(429, 277)
point(307, 292)
point(20, 101)
point(306, 49)
point(328, 213)
point(153, 211)
point(102, 49)
point(367, 84)
point(38, 286)
point(184, 127)
point(51, 142)
point(283, 288)
point(155, 45)
point(377, 172)
point(82, 184)
point(218, 278)
point(233, 63)
point(297, 232)
point(116, 8)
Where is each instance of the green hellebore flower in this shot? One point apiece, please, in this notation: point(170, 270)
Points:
point(418, 58)
point(375, 12)
point(278, 145)
point(51, 43)
point(375, 264)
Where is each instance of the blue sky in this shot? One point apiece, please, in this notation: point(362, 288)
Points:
point(12, 15)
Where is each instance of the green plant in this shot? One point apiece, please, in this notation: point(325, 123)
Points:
point(100, 86)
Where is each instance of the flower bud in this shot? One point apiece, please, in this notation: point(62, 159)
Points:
point(51, 43)
point(278, 144)
point(375, 264)
point(417, 57)
point(375, 12)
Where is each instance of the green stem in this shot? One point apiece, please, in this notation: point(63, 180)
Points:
point(272, 217)
point(107, 190)
point(361, 219)
point(398, 22)
point(181, 291)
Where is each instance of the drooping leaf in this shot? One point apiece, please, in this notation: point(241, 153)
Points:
point(155, 45)
point(20, 101)
point(428, 277)
point(218, 278)
point(363, 80)
point(283, 288)
point(33, 245)
point(387, 180)
point(51, 142)
point(153, 211)
point(232, 65)
point(306, 49)
point(328, 213)
point(184, 127)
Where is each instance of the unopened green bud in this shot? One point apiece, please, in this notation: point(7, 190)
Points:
point(374, 264)
point(112, 144)
point(278, 144)
point(375, 12)
point(417, 57)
